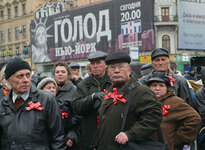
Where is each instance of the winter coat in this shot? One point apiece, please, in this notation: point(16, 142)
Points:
point(75, 82)
point(1, 93)
point(181, 124)
point(199, 101)
point(31, 129)
point(181, 87)
point(66, 93)
point(71, 122)
point(189, 76)
point(144, 116)
point(83, 105)
point(201, 136)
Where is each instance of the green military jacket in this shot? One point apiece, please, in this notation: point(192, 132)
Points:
point(144, 116)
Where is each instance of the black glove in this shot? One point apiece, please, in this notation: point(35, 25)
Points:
point(98, 97)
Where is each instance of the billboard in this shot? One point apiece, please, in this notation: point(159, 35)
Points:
point(117, 25)
point(191, 18)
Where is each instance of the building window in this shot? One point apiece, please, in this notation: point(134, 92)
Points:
point(17, 32)
point(166, 42)
point(165, 13)
point(2, 35)
point(24, 9)
point(9, 13)
point(10, 53)
point(17, 51)
point(9, 35)
point(16, 11)
point(24, 31)
point(2, 15)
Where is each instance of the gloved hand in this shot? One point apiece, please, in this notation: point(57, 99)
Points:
point(98, 97)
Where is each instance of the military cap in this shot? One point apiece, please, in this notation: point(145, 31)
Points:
point(159, 77)
point(74, 65)
point(159, 52)
point(117, 57)
point(97, 56)
point(146, 66)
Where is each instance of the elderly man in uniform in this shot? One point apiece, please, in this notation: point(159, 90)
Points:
point(89, 95)
point(160, 63)
point(29, 118)
point(144, 114)
point(75, 73)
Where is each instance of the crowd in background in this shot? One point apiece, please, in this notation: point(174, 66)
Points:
point(169, 100)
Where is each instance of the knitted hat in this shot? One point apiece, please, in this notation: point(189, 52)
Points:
point(15, 65)
point(44, 81)
point(117, 57)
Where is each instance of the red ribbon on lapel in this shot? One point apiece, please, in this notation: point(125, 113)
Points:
point(98, 120)
point(34, 105)
point(64, 114)
point(165, 108)
point(171, 79)
point(115, 96)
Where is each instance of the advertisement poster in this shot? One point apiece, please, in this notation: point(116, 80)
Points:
point(117, 25)
point(191, 17)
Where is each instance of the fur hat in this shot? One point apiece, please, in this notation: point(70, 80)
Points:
point(44, 81)
point(15, 65)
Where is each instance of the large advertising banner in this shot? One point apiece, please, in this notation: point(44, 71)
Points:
point(117, 25)
point(191, 18)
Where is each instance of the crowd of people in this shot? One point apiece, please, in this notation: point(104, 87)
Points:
point(68, 112)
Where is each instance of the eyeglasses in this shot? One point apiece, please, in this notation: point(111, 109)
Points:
point(119, 66)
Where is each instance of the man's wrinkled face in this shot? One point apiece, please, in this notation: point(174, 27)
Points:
point(119, 73)
point(161, 63)
point(98, 67)
point(20, 81)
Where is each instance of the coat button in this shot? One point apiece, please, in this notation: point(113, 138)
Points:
point(13, 143)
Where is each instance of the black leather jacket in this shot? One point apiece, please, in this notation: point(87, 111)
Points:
point(31, 129)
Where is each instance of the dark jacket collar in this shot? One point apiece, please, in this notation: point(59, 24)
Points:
point(91, 79)
point(67, 87)
point(33, 93)
point(125, 87)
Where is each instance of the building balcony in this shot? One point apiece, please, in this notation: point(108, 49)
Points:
point(165, 20)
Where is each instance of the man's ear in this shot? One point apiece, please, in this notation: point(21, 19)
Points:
point(9, 81)
point(130, 69)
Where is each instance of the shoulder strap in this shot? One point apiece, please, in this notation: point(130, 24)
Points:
point(131, 87)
